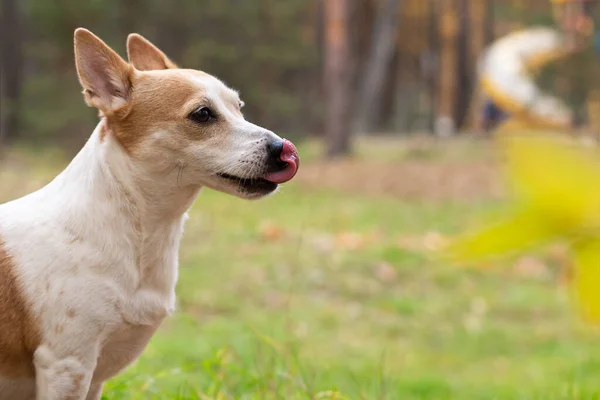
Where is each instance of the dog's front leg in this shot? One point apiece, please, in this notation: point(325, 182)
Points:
point(60, 377)
point(75, 330)
point(95, 392)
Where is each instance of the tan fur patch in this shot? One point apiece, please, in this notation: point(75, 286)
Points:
point(19, 333)
point(163, 100)
point(148, 95)
point(159, 102)
point(103, 133)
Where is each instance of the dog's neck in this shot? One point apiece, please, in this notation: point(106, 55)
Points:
point(142, 216)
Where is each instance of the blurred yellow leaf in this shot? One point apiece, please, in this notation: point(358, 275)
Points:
point(557, 181)
point(518, 233)
point(557, 191)
point(587, 278)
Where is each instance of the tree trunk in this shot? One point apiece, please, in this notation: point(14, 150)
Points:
point(11, 56)
point(465, 68)
point(445, 122)
point(431, 63)
point(482, 34)
point(383, 43)
point(337, 68)
point(317, 126)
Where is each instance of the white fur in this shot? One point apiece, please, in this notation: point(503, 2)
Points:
point(107, 252)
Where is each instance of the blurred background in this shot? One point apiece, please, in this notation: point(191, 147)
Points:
point(326, 290)
point(303, 66)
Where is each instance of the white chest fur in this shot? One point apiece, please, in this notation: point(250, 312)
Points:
point(93, 244)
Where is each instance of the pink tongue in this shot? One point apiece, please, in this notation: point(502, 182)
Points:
point(289, 154)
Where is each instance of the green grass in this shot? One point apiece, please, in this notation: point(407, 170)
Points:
point(308, 295)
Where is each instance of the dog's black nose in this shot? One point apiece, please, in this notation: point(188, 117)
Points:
point(275, 149)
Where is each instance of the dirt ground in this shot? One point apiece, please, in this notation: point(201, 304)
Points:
point(412, 180)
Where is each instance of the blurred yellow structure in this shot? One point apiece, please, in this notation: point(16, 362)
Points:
point(507, 68)
point(506, 72)
point(555, 199)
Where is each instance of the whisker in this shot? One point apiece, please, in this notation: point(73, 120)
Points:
point(180, 174)
point(174, 167)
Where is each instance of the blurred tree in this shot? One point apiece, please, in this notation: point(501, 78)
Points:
point(448, 91)
point(466, 63)
point(265, 48)
point(408, 88)
point(337, 68)
point(379, 61)
point(482, 34)
point(11, 57)
point(297, 67)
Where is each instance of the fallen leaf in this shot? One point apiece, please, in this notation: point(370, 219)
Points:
point(473, 323)
point(385, 272)
point(434, 241)
point(323, 243)
point(409, 243)
point(479, 306)
point(430, 241)
point(271, 231)
point(350, 241)
point(531, 267)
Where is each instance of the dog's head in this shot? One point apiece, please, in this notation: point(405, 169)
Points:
point(180, 125)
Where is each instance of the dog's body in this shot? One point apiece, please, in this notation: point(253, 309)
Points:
point(77, 257)
point(88, 264)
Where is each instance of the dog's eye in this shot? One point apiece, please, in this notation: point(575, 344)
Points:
point(202, 115)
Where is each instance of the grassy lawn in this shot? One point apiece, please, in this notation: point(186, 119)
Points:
point(325, 291)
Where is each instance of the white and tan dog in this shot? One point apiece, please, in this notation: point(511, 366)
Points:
point(88, 264)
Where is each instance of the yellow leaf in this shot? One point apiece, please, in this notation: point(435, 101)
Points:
point(587, 278)
point(556, 180)
point(558, 187)
point(521, 232)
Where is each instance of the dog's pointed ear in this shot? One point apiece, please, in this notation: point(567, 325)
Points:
point(145, 56)
point(104, 75)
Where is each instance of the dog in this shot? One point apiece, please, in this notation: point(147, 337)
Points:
point(89, 263)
